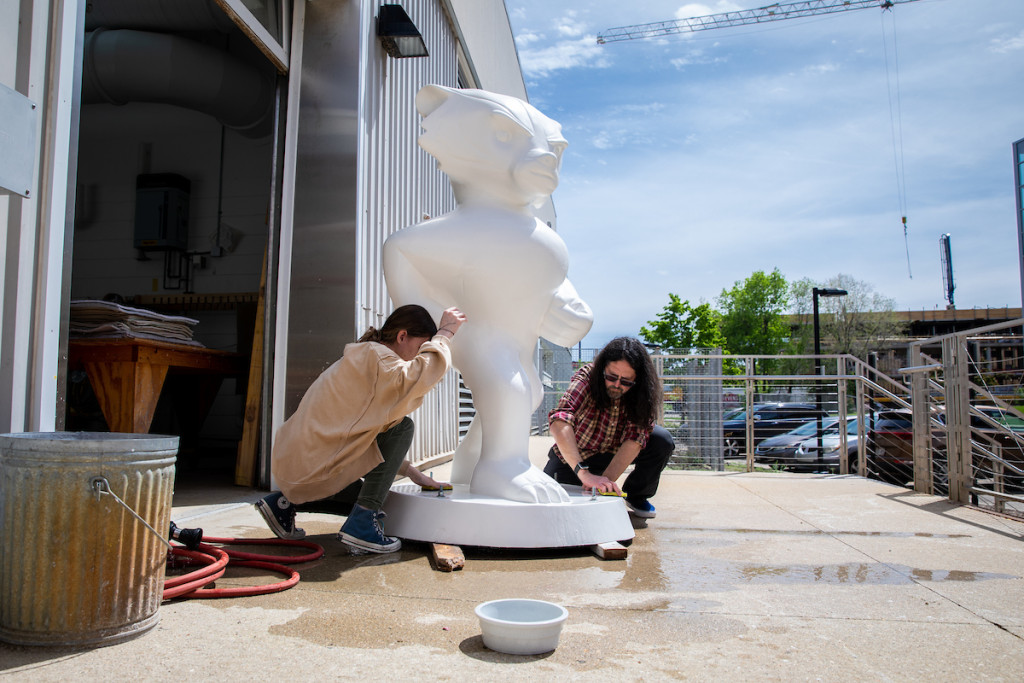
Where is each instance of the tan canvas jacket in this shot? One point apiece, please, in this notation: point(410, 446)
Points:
point(330, 440)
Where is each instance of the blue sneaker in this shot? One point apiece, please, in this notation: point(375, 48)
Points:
point(362, 530)
point(641, 508)
point(279, 514)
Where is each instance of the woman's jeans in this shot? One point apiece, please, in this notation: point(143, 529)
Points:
point(373, 488)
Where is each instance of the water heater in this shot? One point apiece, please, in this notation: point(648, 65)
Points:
point(161, 212)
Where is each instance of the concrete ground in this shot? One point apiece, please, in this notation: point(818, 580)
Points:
point(760, 576)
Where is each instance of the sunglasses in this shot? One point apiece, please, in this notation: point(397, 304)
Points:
point(609, 377)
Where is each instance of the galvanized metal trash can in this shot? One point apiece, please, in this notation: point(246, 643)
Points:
point(84, 519)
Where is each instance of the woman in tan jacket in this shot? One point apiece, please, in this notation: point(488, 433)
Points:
point(353, 422)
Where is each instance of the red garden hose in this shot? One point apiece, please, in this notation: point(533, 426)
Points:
point(217, 560)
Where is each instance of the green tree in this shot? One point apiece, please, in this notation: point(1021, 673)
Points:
point(751, 311)
point(683, 327)
point(855, 324)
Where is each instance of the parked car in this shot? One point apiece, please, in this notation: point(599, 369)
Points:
point(1010, 419)
point(891, 446)
point(1009, 438)
point(890, 455)
point(779, 450)
point(805, 457)
point(770, 419)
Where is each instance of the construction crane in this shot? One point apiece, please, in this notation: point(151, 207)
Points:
point(775, 12)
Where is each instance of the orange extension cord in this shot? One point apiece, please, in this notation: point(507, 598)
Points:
point(217, 560)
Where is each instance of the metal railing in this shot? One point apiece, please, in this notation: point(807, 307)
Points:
point(969, 429)
point(948, 426)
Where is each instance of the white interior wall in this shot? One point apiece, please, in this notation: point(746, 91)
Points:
point(120, 142)
point(113, 152)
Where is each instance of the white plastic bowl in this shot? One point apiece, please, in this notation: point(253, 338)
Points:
point(521, 627)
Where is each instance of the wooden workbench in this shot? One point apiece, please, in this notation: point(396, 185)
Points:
point(127, 376)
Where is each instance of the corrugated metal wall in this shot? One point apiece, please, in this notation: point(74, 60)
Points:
point(317, 277)
point(399, 185)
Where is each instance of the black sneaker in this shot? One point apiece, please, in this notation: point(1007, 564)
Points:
point(279, 515)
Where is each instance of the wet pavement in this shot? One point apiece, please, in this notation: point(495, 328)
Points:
point(759, 576)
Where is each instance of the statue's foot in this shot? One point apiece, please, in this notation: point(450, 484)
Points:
point(464, 463)
point(466, 456)
point(516, 480)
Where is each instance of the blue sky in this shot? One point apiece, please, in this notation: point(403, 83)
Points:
point(698, 159)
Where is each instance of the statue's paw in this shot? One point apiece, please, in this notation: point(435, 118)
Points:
point(463, 466)
point(529, 485)
point(541, 487)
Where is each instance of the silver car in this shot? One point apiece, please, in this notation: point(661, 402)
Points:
point(805, 457)
point(780, 450)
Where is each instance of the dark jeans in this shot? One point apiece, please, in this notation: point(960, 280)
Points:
point(372, 489)
point(642, 482)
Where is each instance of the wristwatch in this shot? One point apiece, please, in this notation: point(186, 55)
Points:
point(580, 466)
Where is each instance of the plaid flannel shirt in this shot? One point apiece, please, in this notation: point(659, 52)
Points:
point(597, 431)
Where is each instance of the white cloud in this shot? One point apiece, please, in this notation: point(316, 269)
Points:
point(584, 52)
point(569, 26)
point(696, 9)
point(819, 69)
point(695, 58)
point(642, 109)
point(527, 38)
point(1004, 45)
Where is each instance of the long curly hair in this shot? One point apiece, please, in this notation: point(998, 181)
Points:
point(412, 318)
point(642, 400)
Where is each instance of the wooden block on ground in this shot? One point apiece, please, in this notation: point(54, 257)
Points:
point(448, 558)
point(612, 550)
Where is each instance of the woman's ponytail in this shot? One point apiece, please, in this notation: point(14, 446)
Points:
point(371, 334)
point(415, 320)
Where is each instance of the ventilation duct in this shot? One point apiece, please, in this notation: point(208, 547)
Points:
point(159, 15)
point(122, 66)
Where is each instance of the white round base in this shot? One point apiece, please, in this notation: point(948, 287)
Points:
point(462, 518)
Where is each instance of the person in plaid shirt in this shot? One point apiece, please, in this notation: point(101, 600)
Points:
point(604, 422)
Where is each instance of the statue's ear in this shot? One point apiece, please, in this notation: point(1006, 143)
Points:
point(430, 97)
point(505, 126)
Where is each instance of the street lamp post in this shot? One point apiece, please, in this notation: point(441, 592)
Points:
point(815, 293)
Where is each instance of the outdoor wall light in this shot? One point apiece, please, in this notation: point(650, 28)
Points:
point(398, 34)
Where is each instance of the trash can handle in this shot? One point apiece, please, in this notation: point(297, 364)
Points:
point(101, 487)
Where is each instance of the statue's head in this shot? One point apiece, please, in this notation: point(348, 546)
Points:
point(491, 145)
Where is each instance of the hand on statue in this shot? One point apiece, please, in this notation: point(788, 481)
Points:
point(422, 480)
point(451, 320)
point(601, 483)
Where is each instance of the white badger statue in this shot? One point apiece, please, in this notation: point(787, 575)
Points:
point(504, 268)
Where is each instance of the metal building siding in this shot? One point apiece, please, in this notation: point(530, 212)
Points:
point(399, 184)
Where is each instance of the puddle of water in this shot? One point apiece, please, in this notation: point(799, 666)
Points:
point(956, 575)
point(858, 573)
point(820, 532)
